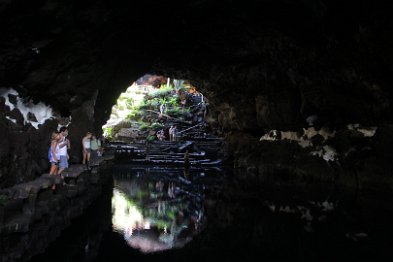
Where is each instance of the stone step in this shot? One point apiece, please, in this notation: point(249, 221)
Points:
point(74, 171)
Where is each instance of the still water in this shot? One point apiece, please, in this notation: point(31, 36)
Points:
point(144, 211)
point(158, 209)
point(162, 214)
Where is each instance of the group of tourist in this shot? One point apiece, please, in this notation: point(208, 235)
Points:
point(160, 135)
point(172, 134)
point(58, 151)
point(91, 148)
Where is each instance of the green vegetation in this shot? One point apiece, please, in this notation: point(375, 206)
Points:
point(157, 126)
point(142, 106)
point(163, 92)
point(108, 132)
point(151, 138)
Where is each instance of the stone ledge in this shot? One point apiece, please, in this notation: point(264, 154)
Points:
point(33, 214)
point(36, 199)
point(17, 224)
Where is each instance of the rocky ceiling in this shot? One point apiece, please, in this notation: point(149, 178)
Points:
point(272, 63)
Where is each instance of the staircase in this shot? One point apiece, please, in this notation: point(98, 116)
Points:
point(192, 136)
point(200, 153)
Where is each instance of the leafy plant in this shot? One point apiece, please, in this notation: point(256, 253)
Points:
point(144, 126)
point(174, 101)
point(157, 126)
point(151, 138)
point(147, 111)
point(134, 115)
point(162, 92)
point(108, 132)
point(130, 103)
point(144, 105)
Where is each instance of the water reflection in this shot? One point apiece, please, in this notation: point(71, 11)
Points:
point(157, 209)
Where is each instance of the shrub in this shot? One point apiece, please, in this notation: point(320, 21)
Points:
point(173, 101)
point(108, 132)
point(130, 103)
point(144, 126)
point(157, 126)
point(135, 115)
point(151, 138)
point(162, 92)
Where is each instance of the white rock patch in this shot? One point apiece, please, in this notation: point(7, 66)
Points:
point(4, 93)
point(11, 119)
point(328, 153)
point(41, 111)
point(366, 131)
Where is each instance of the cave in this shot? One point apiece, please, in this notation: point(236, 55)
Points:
point(299, 91)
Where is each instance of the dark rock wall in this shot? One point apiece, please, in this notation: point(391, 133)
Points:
point(263, 64)
point(23, 150)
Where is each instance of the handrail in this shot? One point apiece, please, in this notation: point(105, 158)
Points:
point(188, 128)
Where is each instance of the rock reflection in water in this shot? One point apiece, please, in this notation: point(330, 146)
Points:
point(156, 212)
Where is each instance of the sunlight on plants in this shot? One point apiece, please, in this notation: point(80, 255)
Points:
point(146, 107)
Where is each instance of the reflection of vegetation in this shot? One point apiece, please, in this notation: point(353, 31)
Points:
point(151, 217)
point(125, 213)
point(134, 212)
point(150, 205)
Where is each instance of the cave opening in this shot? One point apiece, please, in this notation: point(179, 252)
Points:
point(158, 108)
point(159, 126)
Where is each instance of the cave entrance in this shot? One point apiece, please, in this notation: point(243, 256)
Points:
point(158, 125)
point(154, 104)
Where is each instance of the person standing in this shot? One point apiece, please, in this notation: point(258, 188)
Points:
point(64, 146)
point(174, 131)
point(187, 159)
point(86, 148)
point(53, 154)
point(160, 135)
point(95, 145)
point(162, 110)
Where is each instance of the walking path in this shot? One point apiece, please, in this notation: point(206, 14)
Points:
point(32, 214)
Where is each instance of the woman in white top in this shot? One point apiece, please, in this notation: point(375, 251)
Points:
point(64, 145)
point(86, 148)
point(53, 153)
